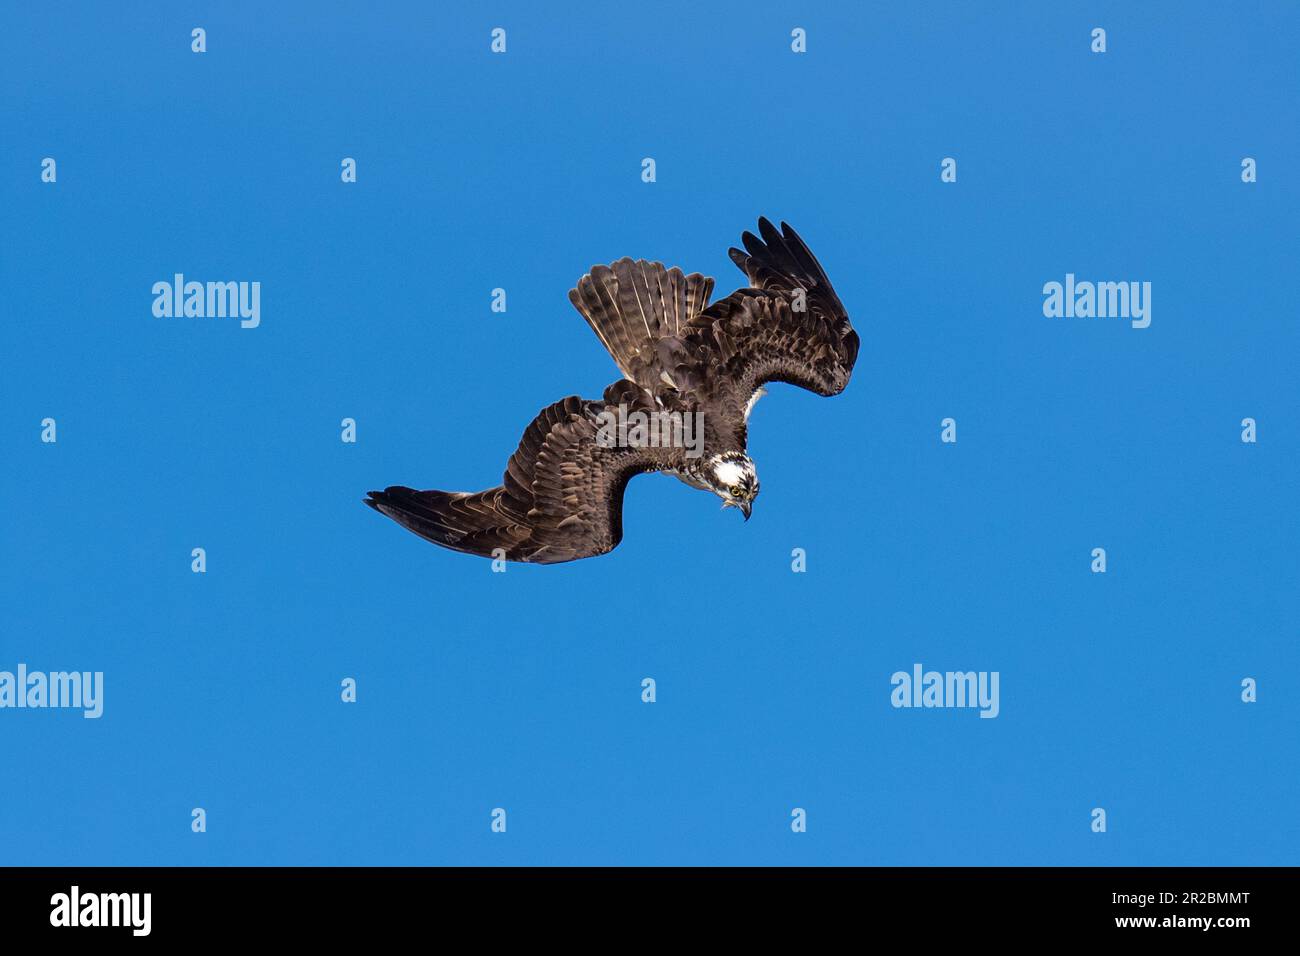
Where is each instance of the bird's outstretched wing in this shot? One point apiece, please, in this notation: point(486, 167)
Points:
point(561, 497)
point(781, 263)
point(788, 327)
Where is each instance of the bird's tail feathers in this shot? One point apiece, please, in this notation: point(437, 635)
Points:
point(632, 305)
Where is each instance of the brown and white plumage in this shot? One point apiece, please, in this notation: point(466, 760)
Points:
point(561, 497)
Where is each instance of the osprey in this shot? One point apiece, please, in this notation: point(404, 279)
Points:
point(562, 494)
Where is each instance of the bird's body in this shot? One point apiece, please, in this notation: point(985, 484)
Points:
point(683, 360)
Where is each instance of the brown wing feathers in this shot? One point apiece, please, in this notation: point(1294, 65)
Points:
point(561, 497)
point(814, 347)
point(781, 262)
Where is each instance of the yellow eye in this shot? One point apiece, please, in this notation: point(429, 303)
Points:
point(735, 491)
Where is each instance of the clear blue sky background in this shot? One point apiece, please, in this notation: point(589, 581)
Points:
point(522, 690)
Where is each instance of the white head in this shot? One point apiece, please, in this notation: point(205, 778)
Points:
point(732, 477)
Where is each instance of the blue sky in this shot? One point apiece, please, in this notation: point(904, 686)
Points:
point(522, 690)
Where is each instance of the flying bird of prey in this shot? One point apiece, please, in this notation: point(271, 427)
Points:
point(562, 494)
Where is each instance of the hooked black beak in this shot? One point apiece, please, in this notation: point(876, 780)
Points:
point(745, 508)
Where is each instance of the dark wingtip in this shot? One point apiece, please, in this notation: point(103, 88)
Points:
point(373, 498)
